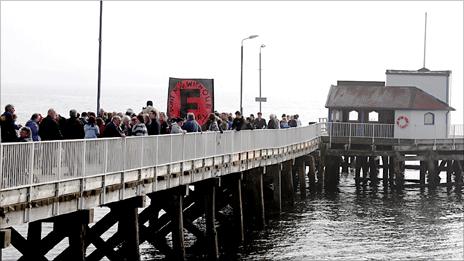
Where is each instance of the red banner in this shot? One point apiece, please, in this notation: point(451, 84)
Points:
point(190, 95)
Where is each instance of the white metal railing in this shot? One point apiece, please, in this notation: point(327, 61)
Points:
point(456, 131)
point(365, 130)
point(26, 164)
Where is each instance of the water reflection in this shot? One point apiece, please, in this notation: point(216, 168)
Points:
point(366, 224)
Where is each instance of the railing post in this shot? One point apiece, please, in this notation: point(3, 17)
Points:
point(31, 178)
point(141, 153)
point(60, 148)
point(349, 134)
point(373, 133)
point(330, 132)
point(83, 158)
point(106, 156)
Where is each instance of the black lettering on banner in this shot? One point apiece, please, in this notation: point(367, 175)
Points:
point(184, 105)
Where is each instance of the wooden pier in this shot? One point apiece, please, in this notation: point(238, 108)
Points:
point(217, 191)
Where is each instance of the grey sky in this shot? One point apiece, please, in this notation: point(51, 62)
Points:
point(52, 47)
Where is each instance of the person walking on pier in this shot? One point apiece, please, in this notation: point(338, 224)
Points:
point(284, 122)
point(49, 128)
point(273, 122)
point(92, 131)
point(238, 122)
point(212, 123)
point(260, 123)
point(8, 125)
point(176, 126)
point(164, 126)
point(33, 124)
point(113, 128)
point(191, 125)
point(153, 126)
point(126, 125)
point(73, 127)
point(25, 134)
point(139, 128)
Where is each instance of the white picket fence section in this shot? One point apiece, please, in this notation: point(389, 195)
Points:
point(26, 164)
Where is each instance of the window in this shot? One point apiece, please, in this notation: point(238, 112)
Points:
point(429, 118)
point(336, 115)
point(374, 116)
point(353, 116)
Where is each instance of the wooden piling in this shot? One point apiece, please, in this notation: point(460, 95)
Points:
point(287, 184)
point(458, 173)
point(357, 175)
point(129, 230)
point(177, 223)
point(449, 173)
point(78, 225)
point(365, 169)
point(5, 239)
point(274, 202)
point(332, 172)
point(258, 196)
point(398, 178)
point(237, 206)
point(345, 164)
point(385, 171)
point(433, 178)
point(210, 218)
point(312, 173)
point(422, 172)
point(373, 170)
point(34, 235)
point(301, 169)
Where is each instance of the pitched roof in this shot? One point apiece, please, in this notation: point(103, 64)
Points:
point(383, 97)
point(421, 71)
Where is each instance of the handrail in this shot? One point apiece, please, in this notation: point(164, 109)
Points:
point(31, 163)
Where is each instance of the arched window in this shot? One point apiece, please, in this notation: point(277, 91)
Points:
point(429, 118)
point(374, 116)
point(353, 116)
point(336, 115)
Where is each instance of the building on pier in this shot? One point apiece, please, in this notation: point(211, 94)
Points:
point(409, 105)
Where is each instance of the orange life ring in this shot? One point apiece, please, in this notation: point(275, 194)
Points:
point(402, 121)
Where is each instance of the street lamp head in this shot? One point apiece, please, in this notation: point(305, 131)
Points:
point(252, 36)
point(263, 45)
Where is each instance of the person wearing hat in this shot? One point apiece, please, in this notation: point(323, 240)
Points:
point(238, 122)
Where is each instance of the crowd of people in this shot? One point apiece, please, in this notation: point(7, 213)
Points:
point(149, 121)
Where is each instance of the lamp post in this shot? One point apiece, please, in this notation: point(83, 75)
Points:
point(241, 71)
point(99, 58)
point(260, 97)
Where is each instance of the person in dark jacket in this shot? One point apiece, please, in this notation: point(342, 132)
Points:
point(191, 125)
point(8, 125)
point(113, 128)
point(49, 128)
point(260, 123)
point(273, 122)
point(238, 122)
point(73, 127)
point(153, 126)
point(164, 126)
point(33, 124)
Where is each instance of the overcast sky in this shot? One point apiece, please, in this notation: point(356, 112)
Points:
point(51, 49)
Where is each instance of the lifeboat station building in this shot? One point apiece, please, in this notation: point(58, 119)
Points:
point(409, 105)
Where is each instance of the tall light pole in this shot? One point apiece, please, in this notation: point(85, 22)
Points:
point(241, 71)
point(99, 58)
point(260, 97)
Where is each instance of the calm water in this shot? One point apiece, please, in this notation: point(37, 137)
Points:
point(366, 225)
